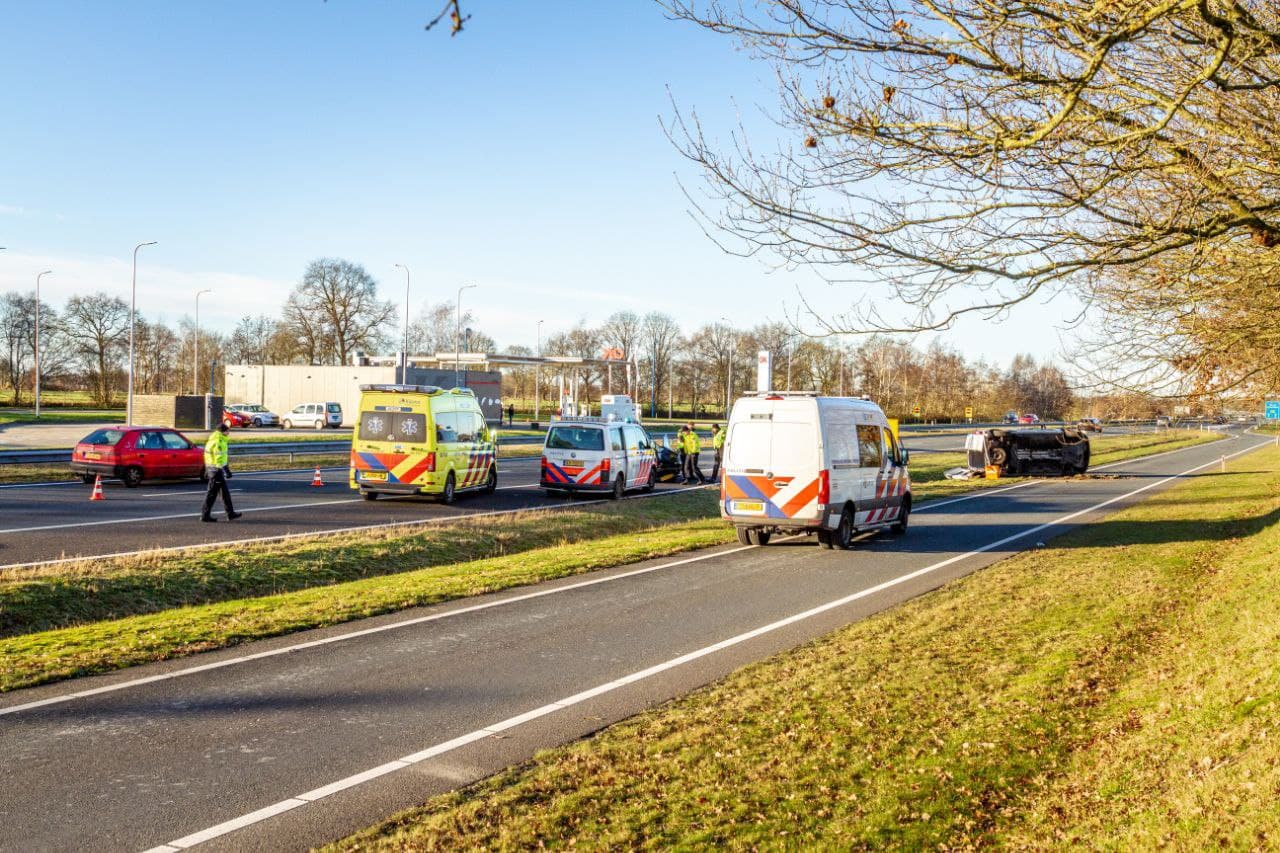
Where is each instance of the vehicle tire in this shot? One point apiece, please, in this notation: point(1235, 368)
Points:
point(619, 488)
point(825, 539)
point(319, 424)
point(257, 423)
point(843, 535)
point(88, 479)
point(369, 496)
point(653, 481)
point(286, 424)
point(132, 477)
point(450, 493)
point(904, 515)
point(759, 537)
point(744, 536)
point(998, 455)
point(491, 482)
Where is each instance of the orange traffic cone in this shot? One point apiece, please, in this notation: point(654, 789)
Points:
point(316, 481)
point(97, 489)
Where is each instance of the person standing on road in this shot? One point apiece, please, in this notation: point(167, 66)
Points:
point(511, 414)
point(680, 455)
point(717, 442)
point(692, 447)
point(217, 469)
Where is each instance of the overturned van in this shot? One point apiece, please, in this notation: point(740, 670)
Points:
point(1029, 452)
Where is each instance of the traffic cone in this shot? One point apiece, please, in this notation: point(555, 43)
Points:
point(316, 481)
point(97, 489)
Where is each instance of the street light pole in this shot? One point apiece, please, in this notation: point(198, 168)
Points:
point(537, 374)
point(195, 358)
point(38, 277)
point(133, 314)
point(733, 345)
point(457, 338)
point(404, 367)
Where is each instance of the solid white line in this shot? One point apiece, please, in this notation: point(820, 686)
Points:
point(362, 632)
point(610, 686)
point(136, 519)
point(183, 494)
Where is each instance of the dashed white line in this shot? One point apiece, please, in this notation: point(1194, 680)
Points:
point(438, 749)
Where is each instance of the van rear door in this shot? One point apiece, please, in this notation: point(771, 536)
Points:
point(772, 469)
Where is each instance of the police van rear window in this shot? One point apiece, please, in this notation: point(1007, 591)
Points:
point(575, 438)
point(392, 426)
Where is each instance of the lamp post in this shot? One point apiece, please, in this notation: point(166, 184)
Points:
point(404, 367)
point(537, 374)
point(457, 339)
point(195, 358)
point(133, 314)
point(38, 277)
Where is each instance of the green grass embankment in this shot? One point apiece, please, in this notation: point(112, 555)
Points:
point(1116, 690)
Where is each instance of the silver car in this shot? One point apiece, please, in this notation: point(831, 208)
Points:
point(258, 415)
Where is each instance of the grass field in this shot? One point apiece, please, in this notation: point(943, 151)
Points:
point(1116, 690)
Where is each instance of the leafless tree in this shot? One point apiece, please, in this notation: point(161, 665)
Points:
point(335, 311)
point(98, 327)
point(659, 338)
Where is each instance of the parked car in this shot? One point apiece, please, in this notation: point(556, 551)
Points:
point(583, 454)
point(1163, 421)
point(234, 419)
point(318, 415)
point(133, 454)
point(259, 416)
point(1011, 417)
point(1089, 425)
point(1029, 419)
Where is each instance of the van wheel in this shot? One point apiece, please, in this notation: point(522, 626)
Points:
point(759, 537)
point(825, 540)
point(744, 536)
point(319, 424)
point(450, 493)
point(132, 477)
point(900, 526)
point(619, 488)
point(653, 481)
point(286, 424)
point(369, 496)
point(491, 482)
point(844, 533)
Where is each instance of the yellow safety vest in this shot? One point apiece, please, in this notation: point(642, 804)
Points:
point(717, 440)
point(215, 450)
point(692, 444)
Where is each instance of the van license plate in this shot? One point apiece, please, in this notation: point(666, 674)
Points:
point(374, 476)
point(572, 466)
point(748, 506)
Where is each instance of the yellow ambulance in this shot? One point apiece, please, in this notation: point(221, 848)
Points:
point(421, 440)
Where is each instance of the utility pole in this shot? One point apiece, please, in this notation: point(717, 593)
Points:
point(133, 314)
point(404, 363)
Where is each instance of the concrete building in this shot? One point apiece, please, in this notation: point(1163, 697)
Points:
point(280, 387)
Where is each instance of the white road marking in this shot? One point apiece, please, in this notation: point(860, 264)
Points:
point(177, 494)
point(438, 749)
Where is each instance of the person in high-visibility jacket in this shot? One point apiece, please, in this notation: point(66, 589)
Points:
point(717, 442)
point(217, 469)
point(692, 447)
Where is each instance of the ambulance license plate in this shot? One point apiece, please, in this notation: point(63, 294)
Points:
point(374, 476)
point(748, 506)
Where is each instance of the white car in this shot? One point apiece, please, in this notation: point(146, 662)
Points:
point(258, 416)
point(597, 455)
point(318, 415)
point(801, 463)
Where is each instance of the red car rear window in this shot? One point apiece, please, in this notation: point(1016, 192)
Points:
point(109, 437)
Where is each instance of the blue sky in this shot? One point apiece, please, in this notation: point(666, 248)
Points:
point(524, 155)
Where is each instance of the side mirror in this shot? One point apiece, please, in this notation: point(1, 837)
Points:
point(903, 457)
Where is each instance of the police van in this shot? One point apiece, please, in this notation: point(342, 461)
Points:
point(597, 455)
point(800, 463)
point(421, 440)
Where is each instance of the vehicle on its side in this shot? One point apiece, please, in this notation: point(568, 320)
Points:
point(234, 419)
point(1089, 425)
point(259, 416)
point(421, 440)
point(318, 415)
point(1029, 419)
point(1011, 417)
point(132, 454)
point(800, 463)
point(666, 462)
point(1029, 452)
point(597, 455)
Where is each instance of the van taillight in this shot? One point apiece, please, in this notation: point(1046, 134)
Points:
point(431, 462)
point(606, 465)
point(824, 487)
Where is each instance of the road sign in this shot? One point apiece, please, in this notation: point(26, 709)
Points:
point(1273, 410)
point(915, 410)
point(968, 411)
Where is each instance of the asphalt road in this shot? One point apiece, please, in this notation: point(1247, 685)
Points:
point(291, 742)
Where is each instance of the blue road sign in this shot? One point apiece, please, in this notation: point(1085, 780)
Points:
point(1272, 412)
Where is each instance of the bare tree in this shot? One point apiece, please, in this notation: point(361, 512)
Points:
point(969, 154)
point(335, 310)
point(251, 341)
point(98, 327)
point(434, 329)
point(659, 337)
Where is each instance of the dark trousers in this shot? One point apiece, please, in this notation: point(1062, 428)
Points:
point(691, 469)
point(715, 466)
point(217, 483)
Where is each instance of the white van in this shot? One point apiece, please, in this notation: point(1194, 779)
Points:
point(808, 464)
point(597, 455)
point(318, 415)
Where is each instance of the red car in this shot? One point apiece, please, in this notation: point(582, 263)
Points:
point(1029, 419)
point(234, 419)
point(134, 454)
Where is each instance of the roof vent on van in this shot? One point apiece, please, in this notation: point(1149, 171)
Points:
point(404, 389)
